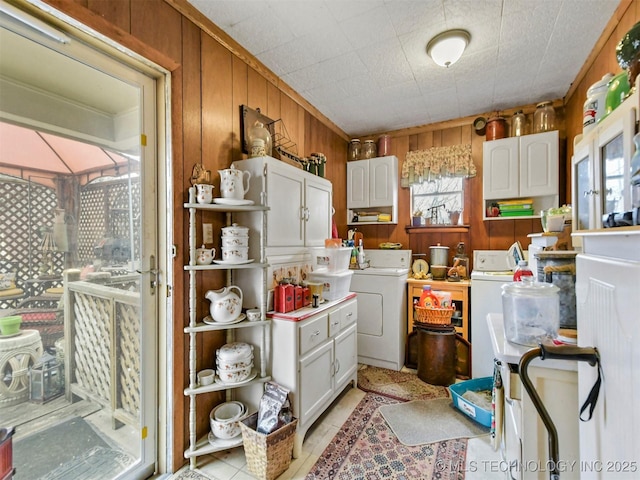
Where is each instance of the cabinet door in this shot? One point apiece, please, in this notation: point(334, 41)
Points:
point(318, 212)
point(583, 191)
point(539, 164)
point(285, 197)
point(500, 168)
point(358, 184)
point(383, 181)
point(316, 380)
point(346, 356)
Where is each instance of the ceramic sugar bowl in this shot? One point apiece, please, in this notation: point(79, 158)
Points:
point(204, 256)
point(226, 303)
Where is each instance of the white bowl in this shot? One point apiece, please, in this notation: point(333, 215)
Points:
point(239, 241)
point(235, 376)
point(242, 362)
point(206, 376)
point(253, 314)
point(225, 429)
point(235, 254)
point(228, 411)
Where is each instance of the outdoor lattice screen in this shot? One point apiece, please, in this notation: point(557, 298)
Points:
point(28, 207)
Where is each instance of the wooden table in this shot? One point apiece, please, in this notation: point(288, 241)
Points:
point(459, 296)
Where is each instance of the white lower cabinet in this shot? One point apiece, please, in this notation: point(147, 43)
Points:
point(315, 358)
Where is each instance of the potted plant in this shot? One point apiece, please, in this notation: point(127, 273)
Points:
point(416, 218)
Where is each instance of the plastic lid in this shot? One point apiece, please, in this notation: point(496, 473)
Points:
point(523, 263)
point(530, 289)
point(426, 287)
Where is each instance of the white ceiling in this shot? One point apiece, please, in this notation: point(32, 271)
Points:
point(363, 63)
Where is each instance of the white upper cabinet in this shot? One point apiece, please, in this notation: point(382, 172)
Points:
point(522, 167)
point(373, 185)
point(300, 203)
point(601, 168)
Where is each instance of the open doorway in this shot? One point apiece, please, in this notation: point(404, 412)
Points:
point(79, 250)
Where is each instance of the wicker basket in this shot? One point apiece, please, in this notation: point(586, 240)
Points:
point(267, 455)
point(434, 316)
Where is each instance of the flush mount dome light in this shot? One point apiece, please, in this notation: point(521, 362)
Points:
point(446, 48)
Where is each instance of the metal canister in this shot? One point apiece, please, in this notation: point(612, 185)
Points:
point(559, 268)
point(496, 128)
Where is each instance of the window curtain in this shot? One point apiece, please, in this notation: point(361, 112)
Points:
point(430, 164)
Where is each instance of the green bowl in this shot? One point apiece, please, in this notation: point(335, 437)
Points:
point(10, 325)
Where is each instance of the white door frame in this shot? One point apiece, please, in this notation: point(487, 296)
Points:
point(159, 405)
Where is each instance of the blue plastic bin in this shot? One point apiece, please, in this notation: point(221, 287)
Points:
point(477, 413)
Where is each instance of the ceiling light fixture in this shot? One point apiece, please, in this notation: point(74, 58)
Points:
point(446, 48)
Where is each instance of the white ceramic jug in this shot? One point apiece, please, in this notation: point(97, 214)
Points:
point(232, 183)
point(226, 306)
point(204, 193)
point(204, 256)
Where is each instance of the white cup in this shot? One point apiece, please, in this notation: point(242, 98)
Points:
point(206, 376)
point(253, 314)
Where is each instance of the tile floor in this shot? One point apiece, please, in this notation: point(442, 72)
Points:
point(482, 461)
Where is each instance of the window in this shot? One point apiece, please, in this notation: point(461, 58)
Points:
point(436, 199)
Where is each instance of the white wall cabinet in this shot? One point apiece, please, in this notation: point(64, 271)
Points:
point(522, 167)
point(300, 203)
point(258, 270)
point(372, 185)
point(601, 167)
point(315, 358)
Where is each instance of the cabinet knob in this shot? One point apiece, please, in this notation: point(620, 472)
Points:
point(315, 334)
point(333, 324)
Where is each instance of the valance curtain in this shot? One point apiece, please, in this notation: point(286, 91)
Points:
point(430, 164)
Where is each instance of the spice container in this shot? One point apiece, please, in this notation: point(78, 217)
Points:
point(369, 150)
point(544, 118)
point(355, 150)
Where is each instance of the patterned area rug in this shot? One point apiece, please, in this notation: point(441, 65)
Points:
point(399, 385)
point(366, 448)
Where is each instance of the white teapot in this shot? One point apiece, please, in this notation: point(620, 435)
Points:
point(226, 306)
point(204, 256)
point(232, 183)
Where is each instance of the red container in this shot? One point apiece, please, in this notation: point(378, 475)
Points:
point(306, 296)
point(496, 128)
point(6, 453)
point(297, 295)
point(289, 299)
point(279, 298)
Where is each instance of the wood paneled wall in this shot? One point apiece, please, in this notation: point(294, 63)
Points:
point(212, 76)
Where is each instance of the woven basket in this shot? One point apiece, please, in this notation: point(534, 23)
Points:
point(434, 316)
point(267, 455)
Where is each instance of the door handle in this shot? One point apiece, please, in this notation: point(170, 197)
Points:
point(154, 274)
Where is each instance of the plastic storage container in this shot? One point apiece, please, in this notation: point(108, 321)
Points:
point(531, 312)
point(476, 412)
point(331, 260)
point(336, 285)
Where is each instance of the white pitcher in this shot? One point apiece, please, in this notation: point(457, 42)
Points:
point(232, 183)
point(226, 305)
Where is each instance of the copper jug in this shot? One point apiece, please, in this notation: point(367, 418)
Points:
point(496, 128)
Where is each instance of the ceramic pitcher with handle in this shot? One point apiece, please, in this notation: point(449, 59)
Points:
point(226, 303)
point(234, 183)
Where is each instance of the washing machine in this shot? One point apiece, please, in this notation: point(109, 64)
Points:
point(382, 308)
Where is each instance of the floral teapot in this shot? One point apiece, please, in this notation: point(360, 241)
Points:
point(226, 306)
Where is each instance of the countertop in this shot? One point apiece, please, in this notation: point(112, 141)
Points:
point(306, 312)
point(510, 353)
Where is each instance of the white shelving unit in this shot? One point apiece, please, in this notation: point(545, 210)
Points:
point(202, 446)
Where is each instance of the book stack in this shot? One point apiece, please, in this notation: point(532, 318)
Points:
point(521, 207)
